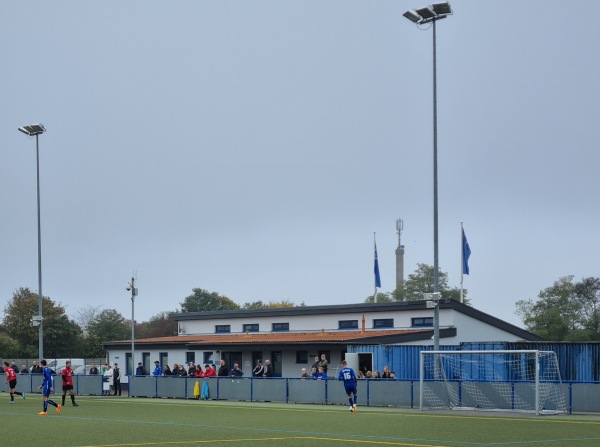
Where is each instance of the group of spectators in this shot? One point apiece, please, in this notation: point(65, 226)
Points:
point(36, 368)
point(387, 374)
point(318, 370)
point(179, 370)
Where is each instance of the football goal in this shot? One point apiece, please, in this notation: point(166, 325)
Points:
point(520, 380)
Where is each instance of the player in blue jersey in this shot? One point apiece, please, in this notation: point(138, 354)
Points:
point(350, 383)
point(47, 389)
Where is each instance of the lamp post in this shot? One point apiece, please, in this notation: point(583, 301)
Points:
point(134, 292)
point(35, 130)
point(431, 14)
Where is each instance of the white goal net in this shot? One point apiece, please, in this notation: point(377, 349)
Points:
point(525, 380)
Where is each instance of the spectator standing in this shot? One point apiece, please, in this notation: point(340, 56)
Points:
point(350, 384)
point(47, 388)
point(157, 369)
point(67, 383)
point(320, 374)
point(24, 369)
point(11, 379)
point(191, 369)
point(315, 363)
point(36, 369)
point(181, 372)
point(223, 371)
point(376, 374)
point(140, 370)
point(175, 370)
point(166, 370)
point(323, 363)
point(386, 372)
point(117, 379)
point(93, 369)
point(258, 369)
point(209, 372)
point(107, 381)
point(304, 374)
point(236, 371)
point(313, 372)
point(267, 369)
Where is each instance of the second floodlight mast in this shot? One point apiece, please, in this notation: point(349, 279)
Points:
point(134, 292)
point(431, 14)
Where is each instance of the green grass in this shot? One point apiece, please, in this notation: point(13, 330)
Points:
point(116, 422)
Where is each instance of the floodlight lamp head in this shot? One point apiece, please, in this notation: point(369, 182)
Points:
point(426, 13)
point(442, 9)
point(33, 129)
point(412, 16)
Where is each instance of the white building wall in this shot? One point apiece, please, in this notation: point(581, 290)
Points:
point(302, 323)
point(289, 366)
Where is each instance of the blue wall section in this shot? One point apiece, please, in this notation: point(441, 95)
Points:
point(578, 362)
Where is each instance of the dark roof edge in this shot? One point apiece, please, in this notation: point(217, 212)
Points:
point(300, 310)
point(359, 308)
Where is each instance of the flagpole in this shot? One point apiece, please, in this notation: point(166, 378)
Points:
point(462, 260)
point(375, 278)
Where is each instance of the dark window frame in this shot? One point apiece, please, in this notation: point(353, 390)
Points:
point(421, 322)
point(222, 328)
point(302, 357)
point(281, 327)
point(379, 323)
point(347, 324)
point(251, 327)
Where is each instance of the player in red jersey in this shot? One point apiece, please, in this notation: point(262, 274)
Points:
point(11, 379)
point(67, 383)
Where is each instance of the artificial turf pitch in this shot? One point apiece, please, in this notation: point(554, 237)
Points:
point(117, 422)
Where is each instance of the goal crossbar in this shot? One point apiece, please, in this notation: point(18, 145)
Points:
point(491, 380)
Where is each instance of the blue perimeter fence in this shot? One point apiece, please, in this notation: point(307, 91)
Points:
point(581, 397)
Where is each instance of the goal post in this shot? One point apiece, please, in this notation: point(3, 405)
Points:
point(502, 380)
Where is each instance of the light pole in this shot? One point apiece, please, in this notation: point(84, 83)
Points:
point(134, 292)
point(431, 14)
point(35, 130)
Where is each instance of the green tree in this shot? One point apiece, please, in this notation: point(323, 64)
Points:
point(418, 283)
point(566, 311)
point(204, 301)
point(61, 335)
point(9, 347)
point(588, 294)
point(270, 305)
point(161, 325)
point(381, 298)
point(108, 325)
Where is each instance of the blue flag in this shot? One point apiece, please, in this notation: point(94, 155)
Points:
point(376, 270)
point(466, 252)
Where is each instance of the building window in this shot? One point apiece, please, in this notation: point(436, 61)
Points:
point(281, 327)
point(348, 324)
point(190, 357)
point(223, 328)
point(251, 327)
point(379, 323)
point(422, 322)
point(207, 357)
point(302, 357)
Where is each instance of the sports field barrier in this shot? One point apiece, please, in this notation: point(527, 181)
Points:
point(581, 397)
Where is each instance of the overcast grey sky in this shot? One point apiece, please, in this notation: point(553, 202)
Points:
point(252, 148)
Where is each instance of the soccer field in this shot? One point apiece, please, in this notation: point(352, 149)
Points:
point(115, 422)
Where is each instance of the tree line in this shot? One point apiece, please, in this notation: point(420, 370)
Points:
point(568, 310)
